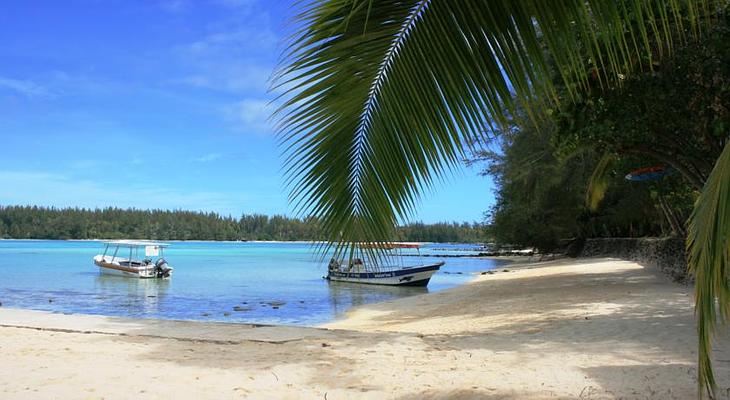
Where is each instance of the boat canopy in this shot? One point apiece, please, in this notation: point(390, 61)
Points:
point(134, 243)
point(389, 245)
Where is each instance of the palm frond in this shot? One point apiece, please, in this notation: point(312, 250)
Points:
point(384, 97)
point(708, 247)
point(598, 182)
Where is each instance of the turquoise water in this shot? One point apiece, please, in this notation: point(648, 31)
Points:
point(210, 279)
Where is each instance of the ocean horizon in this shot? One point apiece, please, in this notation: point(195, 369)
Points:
point(265, 282)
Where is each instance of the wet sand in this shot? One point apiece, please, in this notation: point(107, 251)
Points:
point(586, 329)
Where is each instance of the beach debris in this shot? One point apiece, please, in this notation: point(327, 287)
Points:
point(240, 309)
point(1, 303)
point(50, 300)
point(244, 302)
point(301, 301)
point(505, 270)
point(151, 295)
point(326, 345)
point(276, 303)
point(205, 314)
point(226, 313)
point(275, 307)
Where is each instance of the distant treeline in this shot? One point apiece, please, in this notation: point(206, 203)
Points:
point(26, 222)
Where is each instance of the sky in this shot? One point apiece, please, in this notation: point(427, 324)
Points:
point(157, 104)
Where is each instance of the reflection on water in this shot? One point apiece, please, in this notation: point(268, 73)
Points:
point(140, 296)
point(345, 295)
point(278, 283)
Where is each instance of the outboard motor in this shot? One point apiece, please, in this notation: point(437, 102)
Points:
point(162, 269)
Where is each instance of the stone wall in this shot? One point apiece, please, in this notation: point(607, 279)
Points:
point(665, 254)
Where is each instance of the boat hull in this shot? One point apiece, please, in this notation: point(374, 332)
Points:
point(415, 276)
point(112, 268)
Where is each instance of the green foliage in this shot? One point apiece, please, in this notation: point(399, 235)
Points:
point(113, 223)
point(383, 97)
point(443, 232)
point(708, 245)
point(598, 182)
point(541, 197)
point(674, 114)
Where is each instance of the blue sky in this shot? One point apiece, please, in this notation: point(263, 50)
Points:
point(155, 104)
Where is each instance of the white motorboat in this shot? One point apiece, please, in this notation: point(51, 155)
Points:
point(358, 271)
point(121, 257)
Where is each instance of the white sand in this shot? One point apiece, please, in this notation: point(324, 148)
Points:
point(589, 329)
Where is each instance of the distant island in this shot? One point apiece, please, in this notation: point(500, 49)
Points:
point(34, 222)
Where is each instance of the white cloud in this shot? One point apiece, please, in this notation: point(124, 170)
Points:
point(175, 6)
point(208, 157)
point(238, 60)
point(241, 41)
point(250, 115)
point(239, 4)
point(235, 77)
point(24, 87)
point(48, 189)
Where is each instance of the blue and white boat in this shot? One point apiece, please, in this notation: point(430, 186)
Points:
point(359, 271)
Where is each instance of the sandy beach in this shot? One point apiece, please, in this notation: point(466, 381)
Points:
point(566, 329)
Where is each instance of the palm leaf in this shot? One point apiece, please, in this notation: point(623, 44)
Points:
point(598, 182)
point(708, 245)
point(383, 97)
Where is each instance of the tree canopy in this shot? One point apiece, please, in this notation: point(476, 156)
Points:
point(18, 222)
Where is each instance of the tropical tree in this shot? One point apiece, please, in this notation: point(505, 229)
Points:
point(381, 98)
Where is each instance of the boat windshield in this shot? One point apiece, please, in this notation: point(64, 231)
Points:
point(396, 255)
point(122, 248)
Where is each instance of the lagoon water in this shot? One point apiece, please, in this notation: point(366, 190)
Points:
point(210, 279)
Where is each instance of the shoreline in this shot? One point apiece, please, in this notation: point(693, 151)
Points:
point(617, 329)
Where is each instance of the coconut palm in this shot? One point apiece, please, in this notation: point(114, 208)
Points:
point(382, 98)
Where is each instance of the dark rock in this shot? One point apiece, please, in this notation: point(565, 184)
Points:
point(505, 270)
point(326, 345)
point(276, 303)
point(50, 300)
point(205, 314)
point(275, 307)
point(226, 313)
